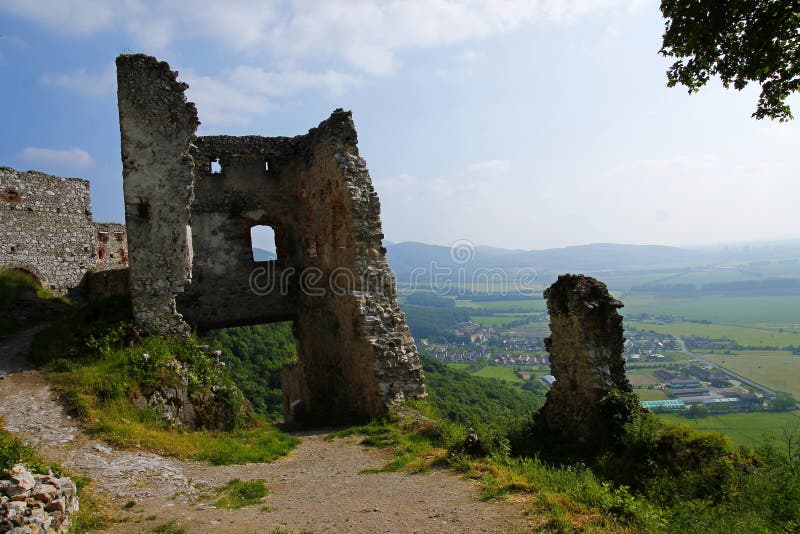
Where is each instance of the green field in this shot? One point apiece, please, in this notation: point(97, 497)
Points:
point(756, 337)
point(742, 428)
point(510, 306)
point(494, 321)
point(778, 370)
point(650, 394)
point(735, 310)
point(501, 373)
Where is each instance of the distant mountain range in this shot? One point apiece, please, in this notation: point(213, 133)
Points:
point(600, 257)
point(405, 257)
point(260, 254)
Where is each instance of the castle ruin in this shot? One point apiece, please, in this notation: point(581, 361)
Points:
point(189, 226)
point(585, 345)
point(46, 229)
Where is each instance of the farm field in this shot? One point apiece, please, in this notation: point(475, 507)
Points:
point(742, 428)
point(499, 372)
point(775, 310)
point(508, 306)
point(494, 321)
point(756, 337)
point(650, 394)
point(641, 379)
point(779, 370)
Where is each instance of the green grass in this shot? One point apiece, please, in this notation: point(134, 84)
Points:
point(497, 321)
point(413, 449)
point(101, 397)
point(742, 428)
point(733, 310)
point(778, 370)
point(239, 494)
point(13, 451)
point(650, 394)
point(170, 527)
point(500, 372)
point(747, 336)
point(508, 306)
point(107, 374)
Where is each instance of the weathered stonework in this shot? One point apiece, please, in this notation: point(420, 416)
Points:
point(111, 246)
point(191, 253)
point(46, 229)
point(585, 345)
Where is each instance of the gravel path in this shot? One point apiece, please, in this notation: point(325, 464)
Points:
point(319, 487)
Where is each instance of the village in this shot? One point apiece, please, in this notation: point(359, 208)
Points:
point(476, 342)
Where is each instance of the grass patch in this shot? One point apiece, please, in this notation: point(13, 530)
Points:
point(497, 321)
point(499, 372)
point(746, 429)
point(104, 373)
point(238, 494)
point(13, 451)
point(414, 448)
point(101, 397)
point(743, 335)
point(651, 394)
point(170, 527)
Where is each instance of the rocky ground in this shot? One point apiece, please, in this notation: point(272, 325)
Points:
point(319, 487)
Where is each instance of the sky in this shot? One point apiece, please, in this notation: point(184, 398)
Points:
point(518, 124)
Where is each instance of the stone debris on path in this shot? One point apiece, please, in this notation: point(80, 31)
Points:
point(32, 503)
point(38, 418)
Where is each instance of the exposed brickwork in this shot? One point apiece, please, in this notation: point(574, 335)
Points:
point(46, 228)
point(331, 278)
point(111, 246)
point(585, 345)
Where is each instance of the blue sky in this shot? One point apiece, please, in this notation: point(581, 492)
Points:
point(529, 125)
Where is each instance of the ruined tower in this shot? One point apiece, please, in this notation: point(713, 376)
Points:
point(585, 345)
point(191, 256)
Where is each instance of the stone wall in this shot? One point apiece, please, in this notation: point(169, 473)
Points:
point(356, 354)
point(110, 246)
point(585, 345)
point(46, 229)
point(157, 126)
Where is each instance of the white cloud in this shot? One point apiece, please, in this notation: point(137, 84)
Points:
point(73, 158)
point(92, 85)
point(367, 34)
point(75, 17)
point(235, 96)
point(470, 56)
point(492, 168)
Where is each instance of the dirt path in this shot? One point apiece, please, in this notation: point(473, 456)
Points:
point(319, 487)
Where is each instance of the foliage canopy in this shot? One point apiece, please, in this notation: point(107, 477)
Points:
point(742, 41)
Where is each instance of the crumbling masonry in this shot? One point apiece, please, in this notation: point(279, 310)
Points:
point(46, 229)
point(585, 345)
point(191, 253)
